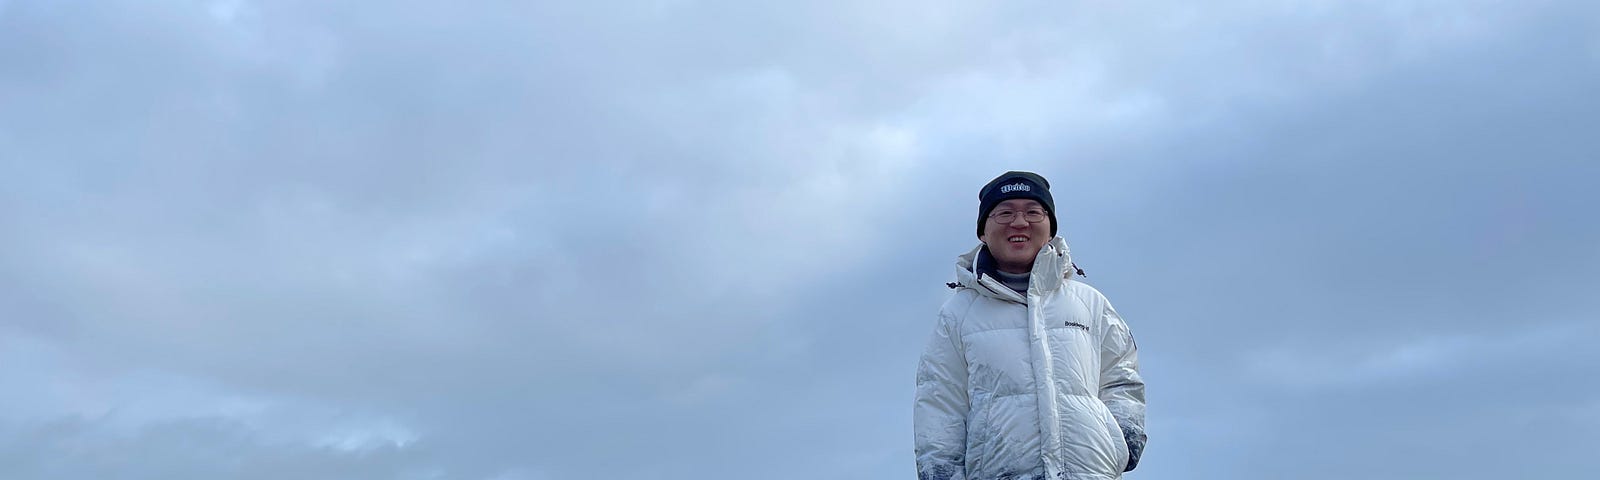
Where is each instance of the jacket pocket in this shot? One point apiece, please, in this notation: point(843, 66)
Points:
point(1119, 444)
point(1092, 442)
point(978, 433)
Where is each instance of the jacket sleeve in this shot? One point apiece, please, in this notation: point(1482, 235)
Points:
point(940, 414)
point(1121, 388)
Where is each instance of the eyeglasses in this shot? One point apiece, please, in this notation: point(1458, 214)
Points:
point(1007, 216)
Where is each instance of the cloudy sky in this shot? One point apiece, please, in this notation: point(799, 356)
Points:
point(678, 239)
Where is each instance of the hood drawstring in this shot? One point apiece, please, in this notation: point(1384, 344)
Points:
point(1080, 271)
point(954, 285)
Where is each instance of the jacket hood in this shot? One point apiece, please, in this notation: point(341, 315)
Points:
point(1051, 268)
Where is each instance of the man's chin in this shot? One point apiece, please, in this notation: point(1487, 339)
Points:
point(1023, 251)
point(1020, 260)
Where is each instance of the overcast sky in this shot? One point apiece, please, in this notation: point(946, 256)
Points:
point(680, 239)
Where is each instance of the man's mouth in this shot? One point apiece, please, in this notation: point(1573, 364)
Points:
point(1017, 239)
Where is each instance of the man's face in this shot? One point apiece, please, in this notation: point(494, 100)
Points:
point(1016, 243)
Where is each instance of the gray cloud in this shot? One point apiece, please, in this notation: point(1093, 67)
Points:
point(69, 448)
point(705, 239)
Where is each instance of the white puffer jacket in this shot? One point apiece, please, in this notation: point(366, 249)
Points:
point(1039, 387)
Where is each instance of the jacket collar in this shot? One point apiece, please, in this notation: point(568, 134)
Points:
point(1051, 269)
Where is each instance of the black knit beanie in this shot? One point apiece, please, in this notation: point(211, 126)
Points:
point(1011, 185)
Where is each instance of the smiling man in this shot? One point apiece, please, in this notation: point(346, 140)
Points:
point(1030, 374)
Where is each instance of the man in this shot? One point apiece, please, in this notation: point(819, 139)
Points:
point(1030, 374)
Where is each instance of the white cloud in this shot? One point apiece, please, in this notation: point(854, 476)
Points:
point(470, 241)
point(1377, 359)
